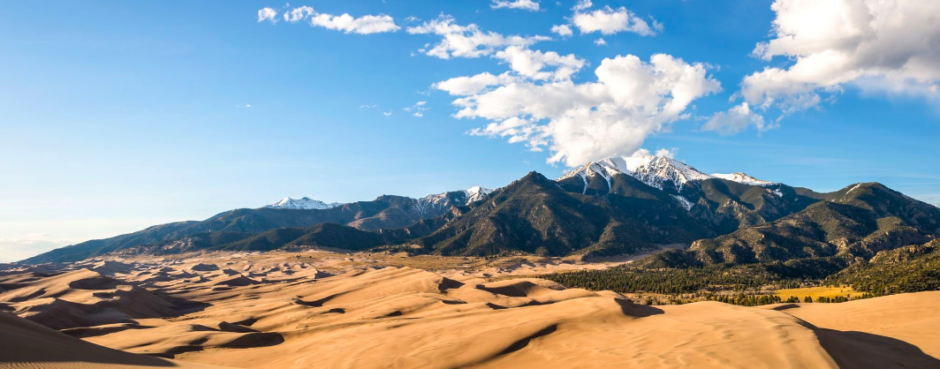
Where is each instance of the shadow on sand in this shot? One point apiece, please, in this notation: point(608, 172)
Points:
point(630, 308)
point(851, 349)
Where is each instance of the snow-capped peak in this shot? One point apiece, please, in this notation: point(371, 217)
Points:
point(742, 178)
point(469, 195)
point(305, 203)
point(443, 201)
point(650, 169)
point(477, 193)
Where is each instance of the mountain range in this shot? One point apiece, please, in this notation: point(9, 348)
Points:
point(610, 207)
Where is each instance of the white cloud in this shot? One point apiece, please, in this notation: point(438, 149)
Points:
point(736, 120)
point(387, 114)
point(609, 21)
point(600, 41)
point(364, 25)
point(463, 86)
point(582, 5)
point(578, 123)
point(664, 153)
point(419, 108)
point(298, 14)
point(667, 153)
point(562, 30)
point(526, 64)
point(267, 14)
point(466, 41)
point(516, 4)
point(531, 64)
point(888, 46)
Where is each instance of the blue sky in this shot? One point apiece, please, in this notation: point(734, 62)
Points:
point(119, 115)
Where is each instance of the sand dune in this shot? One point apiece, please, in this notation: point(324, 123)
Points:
point(28, 345)
point(262, 311)
point(886, 332)
point(79, 298)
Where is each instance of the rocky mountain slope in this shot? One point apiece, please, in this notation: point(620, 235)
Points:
point(856, 222)
point(385, 212)
point(611, 207)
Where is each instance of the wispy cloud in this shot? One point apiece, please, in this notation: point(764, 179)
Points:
point(516, 4)
point(364, 25)
point(418, 108)
point(466, 41)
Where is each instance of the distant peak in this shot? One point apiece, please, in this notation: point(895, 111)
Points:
point(477, 189)
point(477, 193)
point(742, 178)
point(304, 203)
point(433, 203)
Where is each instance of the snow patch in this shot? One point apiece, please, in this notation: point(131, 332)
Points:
point(684, 202)
point(854, 188)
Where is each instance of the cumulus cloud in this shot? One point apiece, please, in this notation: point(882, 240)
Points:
point(364, 25)
point(736, 120)
point(466, 41)
point(267, 14)
point(562, 30)
point(876, 45)
point(472, 85)
point(609, 21)
point(667, 153)
point(577, 123)
point(532, 64)
point(516, 4)
point(600, 42)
